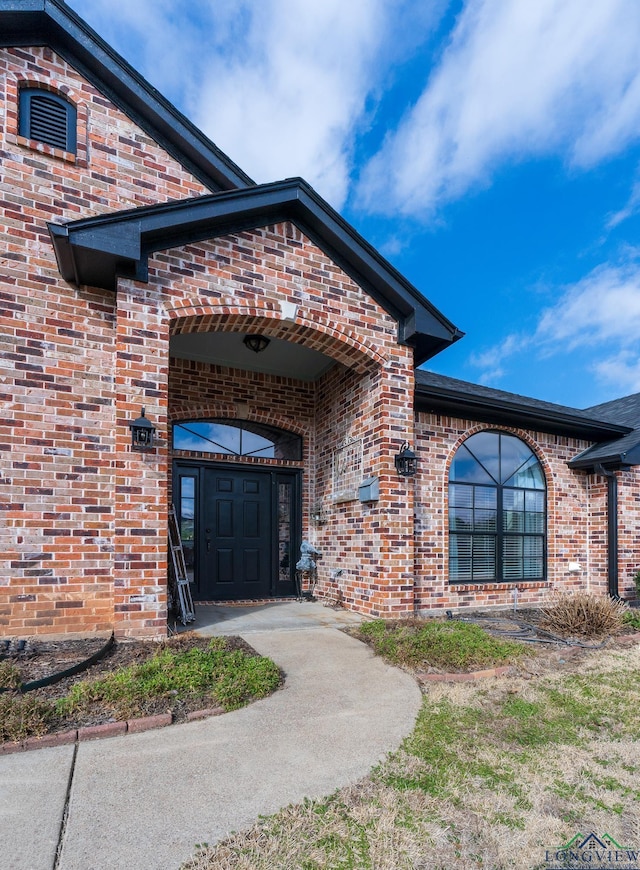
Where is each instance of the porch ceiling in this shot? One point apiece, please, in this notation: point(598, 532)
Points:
point(227, 349)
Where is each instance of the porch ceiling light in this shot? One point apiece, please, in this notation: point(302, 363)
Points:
point(142, 433)
point(406, 461)
point(256, 343)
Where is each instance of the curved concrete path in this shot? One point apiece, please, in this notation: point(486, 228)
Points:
point(146, 799)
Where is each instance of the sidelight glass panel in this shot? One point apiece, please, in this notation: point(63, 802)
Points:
point(187, 502)
point(285, 527)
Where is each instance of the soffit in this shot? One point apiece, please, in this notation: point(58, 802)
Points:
point(282, 358)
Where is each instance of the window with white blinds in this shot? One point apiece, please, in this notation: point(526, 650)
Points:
point(497, 511)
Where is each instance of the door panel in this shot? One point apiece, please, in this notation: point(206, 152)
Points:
point(245, 529)
point(236, 517)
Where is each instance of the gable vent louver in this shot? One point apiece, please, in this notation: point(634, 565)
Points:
point(48, 121)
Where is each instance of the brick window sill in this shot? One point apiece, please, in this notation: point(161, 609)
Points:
point(520, 585)
point(49, 150)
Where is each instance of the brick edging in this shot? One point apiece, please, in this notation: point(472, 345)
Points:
point(503, 669)
point(628, 638)
point(463, 678)
point(108, 729)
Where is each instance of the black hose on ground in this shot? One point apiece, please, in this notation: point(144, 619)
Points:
point(527, 632)
point(61, 675)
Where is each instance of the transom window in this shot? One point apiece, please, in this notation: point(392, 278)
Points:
point(236, 438)
point(497, 511)
point(48, 118)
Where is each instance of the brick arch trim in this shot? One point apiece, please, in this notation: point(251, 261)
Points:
point(522, 434)
point(312, 329)
point(60, 90)
point(229, 411)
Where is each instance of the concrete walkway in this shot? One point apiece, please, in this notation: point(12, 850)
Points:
point(144, 800)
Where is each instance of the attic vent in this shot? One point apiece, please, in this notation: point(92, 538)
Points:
point(47, 118)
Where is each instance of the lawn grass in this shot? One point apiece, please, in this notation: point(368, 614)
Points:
point(212, 676)
point(449, 645)
point(494, 774)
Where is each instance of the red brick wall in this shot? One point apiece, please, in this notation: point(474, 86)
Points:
point(245, 282)
point(576, 519)
point(83, 525)
point(628, 530)
point(64, 391)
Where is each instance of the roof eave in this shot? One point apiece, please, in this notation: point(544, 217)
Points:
point(123, 241)
point(616, 459)
point(461, 405)
point(52, 23)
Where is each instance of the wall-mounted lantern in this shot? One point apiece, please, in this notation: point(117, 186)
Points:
point(406, 461)
point(256, 343)
point(142, 433)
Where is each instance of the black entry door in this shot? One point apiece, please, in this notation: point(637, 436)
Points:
point(236, 534)
point(243, 526)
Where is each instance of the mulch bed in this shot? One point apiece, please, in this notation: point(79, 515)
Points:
point(42, 658)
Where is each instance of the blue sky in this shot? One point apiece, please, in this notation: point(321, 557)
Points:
point(491, 150)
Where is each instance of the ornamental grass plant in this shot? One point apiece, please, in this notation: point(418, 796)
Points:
point(580, 614)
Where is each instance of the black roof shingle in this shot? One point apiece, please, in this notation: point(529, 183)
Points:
point(443, 394)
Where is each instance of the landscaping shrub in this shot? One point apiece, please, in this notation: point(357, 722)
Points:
point(10, 677)
point(177, 676)
point(218, 675)
point(579, 614)
point(631, 620)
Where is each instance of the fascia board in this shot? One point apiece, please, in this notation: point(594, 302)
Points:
point(48, 22)
point(524, 416)
point(134, 234)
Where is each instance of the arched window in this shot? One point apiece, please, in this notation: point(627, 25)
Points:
point(48, 118)
point(497, 511)
point(236, 438)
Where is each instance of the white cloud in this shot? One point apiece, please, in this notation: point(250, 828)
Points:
point(601, 313)
point(621, 370)
point(285, 103)
point(283, 88)
point(517, 80)
point(491, 359)
point(603, 307)
point(631, 207)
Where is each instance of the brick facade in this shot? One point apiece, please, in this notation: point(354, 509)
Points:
point(64, 545)
point(576, 520)
point(366, 398)
point(83, 518)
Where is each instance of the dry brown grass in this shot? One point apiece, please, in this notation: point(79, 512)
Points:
point(494, 774)
point(578, 614)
